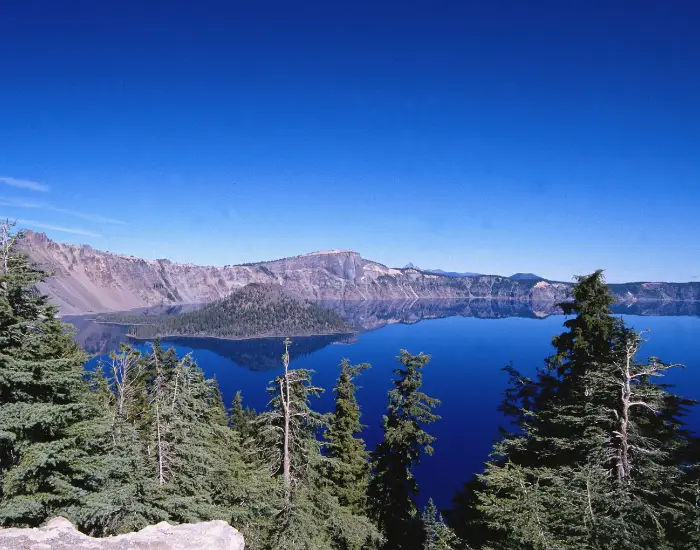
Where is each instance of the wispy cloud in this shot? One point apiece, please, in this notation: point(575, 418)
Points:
point(41, 225)
point(25, 184)
point(44, 206)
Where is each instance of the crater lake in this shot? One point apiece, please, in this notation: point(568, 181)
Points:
point(469, 344)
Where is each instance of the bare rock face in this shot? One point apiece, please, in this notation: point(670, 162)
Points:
point(85, 280)
point(60, 534)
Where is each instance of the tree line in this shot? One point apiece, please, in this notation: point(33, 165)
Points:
point(597, 457)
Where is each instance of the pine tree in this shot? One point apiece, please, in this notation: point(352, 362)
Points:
point(290, 426)
point(595, 460)
point(49, 432)
point(393, 486)
point(436, 535)
point(123, 502)
point(309, 515)
point(349, 466)
point(173, 456)
point(242, 419)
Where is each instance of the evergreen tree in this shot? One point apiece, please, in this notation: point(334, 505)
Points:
point(123, 502)
point(595, 460)
point(309, 515)
point(48, 431)
point(242, 419)
point(465, 519)
point(349, 466)
point(173, 455)
point(393, 486)
point(290, 426)
point(436, 535)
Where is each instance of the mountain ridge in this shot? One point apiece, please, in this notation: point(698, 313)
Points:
point(87, 280)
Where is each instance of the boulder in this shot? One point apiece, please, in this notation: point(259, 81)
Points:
point(60, 534)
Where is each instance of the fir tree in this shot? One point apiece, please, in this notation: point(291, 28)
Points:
point(436, 535)
point(393, 486)
point(595, 461)
point(242, 419)
point(309, 515)
point(123, 502)
point(48, 430)
point(173, 456)
point(349, 466)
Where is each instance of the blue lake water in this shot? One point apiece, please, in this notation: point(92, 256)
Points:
point(465, 373)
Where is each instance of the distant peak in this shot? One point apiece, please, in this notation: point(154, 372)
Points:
point(329, 252)
point(34, 235)
point(526, 276)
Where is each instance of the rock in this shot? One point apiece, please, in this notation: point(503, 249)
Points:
point(85, 280)
point(60, 534)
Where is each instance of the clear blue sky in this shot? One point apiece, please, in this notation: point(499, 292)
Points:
point(483, 136)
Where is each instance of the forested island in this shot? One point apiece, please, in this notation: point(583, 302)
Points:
point(253, 311)
point(597, 457)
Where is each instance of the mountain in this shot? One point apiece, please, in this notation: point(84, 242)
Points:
point(87, 280)
point(254, 311)
point(410, 265)
point(526, 276)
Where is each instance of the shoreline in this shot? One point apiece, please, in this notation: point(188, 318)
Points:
point(236, 339)
point(626, 301)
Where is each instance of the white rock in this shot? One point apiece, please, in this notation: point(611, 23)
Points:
point(60, 534)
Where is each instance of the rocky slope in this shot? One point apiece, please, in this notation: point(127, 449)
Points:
point(59, 534)
point(88, 280)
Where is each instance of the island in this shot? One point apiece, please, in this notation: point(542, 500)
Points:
point(254, 311)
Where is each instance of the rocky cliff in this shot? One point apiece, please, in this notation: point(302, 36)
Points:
point(88, 280)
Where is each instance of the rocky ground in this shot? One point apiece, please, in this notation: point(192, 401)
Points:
point(60, 534)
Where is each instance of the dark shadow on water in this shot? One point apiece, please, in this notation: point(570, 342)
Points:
point(259, 354)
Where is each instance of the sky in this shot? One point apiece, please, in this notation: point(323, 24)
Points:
point(492, 137)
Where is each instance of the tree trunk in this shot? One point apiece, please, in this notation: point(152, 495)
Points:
point(623, 462)
point(161, 470)
point(285, 398)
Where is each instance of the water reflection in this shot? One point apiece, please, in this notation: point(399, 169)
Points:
point(371, 315)
point(99, 335)
point(259, 354)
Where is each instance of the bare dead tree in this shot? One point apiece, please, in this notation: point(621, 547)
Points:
point(634, 395)
point(125, 371)
point(8, 238)
point(295, 417)
point(285, 400)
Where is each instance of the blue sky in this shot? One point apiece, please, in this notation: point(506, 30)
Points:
point(553, 137)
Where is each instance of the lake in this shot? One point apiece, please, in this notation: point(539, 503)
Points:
point(469, 345)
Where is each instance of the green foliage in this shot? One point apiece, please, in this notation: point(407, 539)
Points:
point(600, 457)
point(170, 430)
point(49, 437)
point(242, 420)
point(393, 487)
point(255, 310)
point(436, 535)
point(310, 515)
point(348, 467)
point(596, 460)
